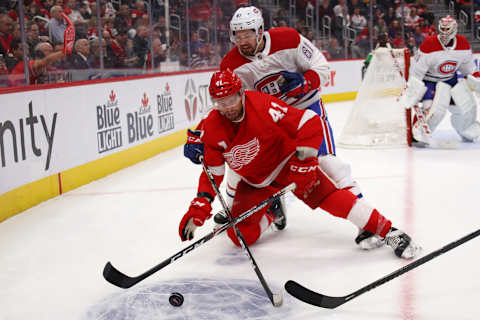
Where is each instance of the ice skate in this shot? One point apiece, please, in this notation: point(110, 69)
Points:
point(368, 241)
point(402, 244)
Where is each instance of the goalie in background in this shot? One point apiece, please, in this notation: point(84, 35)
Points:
point(434, 84)
point(268, 144)
point(382, 42)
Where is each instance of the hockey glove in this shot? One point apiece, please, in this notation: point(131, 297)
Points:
point(200, 210)
point(193, 149)
point(294, 85)
point(305, 175)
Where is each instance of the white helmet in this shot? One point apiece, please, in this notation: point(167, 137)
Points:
point(246, 18)
point(447, 29)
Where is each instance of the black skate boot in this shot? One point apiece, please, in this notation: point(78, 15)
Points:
point(402, 244)
point(368, 241)
point(278, 209)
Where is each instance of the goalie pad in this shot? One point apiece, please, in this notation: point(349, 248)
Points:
point(463, 98)
point(414, 91)
point(438, 109)
point(464, 112)
point(474, 83)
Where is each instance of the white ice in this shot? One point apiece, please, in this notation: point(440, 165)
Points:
point(52, 256)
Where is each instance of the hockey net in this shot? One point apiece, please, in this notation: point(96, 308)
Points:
point(377, 119)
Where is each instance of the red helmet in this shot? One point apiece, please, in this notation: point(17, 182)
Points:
point(224, 83)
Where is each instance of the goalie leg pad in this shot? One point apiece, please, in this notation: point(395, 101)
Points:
point(463, 98)
point(439, 106)
point(464, 112)
point(413, 93)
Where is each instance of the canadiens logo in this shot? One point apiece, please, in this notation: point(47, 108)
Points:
point(270, 84)
point(448, 67)
point(243, 154)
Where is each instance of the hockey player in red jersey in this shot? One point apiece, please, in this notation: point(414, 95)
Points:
point(434, 82)
point(282, 63)
point(268, 145)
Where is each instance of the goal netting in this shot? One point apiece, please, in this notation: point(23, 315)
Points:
point(377, 119)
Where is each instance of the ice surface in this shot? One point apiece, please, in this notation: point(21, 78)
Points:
point(52, 256)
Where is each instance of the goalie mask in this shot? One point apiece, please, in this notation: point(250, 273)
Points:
point(247, 18)
point(447, 29)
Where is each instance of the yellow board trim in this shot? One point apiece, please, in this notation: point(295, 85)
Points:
point(29, 195)
point(336, 97)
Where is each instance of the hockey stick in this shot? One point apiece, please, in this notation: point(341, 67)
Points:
point(320, 300)
point(275, 298)
point(119, 279)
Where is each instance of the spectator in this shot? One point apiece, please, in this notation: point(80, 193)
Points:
point(56, 25)
point(357, 20)
point(38, 67)
point(6, 33)
point(123, 19)
point(158, 55)
point(334, 50)
point(83, 11)
point(79, 59)
point(33, 35)
point(16, 54)
point(138, 12)
point(140, 45)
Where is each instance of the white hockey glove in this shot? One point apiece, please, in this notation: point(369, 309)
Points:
point(474, 82)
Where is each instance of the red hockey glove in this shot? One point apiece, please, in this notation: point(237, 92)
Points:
point(200, 210)
point(68, 36)
point(305, 175)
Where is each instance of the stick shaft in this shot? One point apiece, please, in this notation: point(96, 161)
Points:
point(240, 237)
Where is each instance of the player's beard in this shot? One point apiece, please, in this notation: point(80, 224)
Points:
point(248, 50)
point(233, 115)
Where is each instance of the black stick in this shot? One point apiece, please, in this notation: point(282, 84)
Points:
point(320, 300)
point(275, 298)
point(119, 279)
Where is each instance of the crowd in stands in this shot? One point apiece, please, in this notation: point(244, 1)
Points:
point(199, 41)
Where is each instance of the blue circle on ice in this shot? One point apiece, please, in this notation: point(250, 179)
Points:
point(222, 299)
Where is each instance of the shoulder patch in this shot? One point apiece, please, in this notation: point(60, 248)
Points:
point(431, 44)
point(462, 43)
point(233, 59)
point(283, 38)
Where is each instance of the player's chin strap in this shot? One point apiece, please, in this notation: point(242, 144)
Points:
point(275, 298)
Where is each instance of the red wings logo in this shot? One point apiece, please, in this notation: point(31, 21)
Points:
point(242, 154)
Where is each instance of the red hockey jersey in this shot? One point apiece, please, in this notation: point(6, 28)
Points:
point(258, 147)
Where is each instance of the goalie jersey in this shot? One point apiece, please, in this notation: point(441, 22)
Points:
point(435, 62)
point(285, 50)
point(258, 147)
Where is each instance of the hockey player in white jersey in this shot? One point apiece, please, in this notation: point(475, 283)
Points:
point(435, 83)
point(282, 63)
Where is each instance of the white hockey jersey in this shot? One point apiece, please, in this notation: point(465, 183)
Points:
point(285, 50)
point(435, 62)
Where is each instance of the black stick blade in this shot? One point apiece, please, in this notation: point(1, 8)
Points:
point(115, 277)
point(312, 297)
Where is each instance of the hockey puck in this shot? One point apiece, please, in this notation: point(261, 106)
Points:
point(176, 299)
